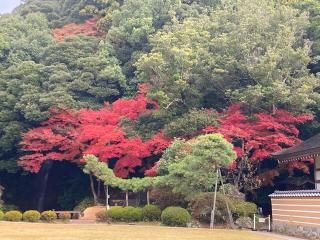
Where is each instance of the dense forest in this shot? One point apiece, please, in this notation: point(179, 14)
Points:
point(75, 74)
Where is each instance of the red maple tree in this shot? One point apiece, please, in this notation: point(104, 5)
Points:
point(255, 138)
point(68, 135)
point(88, 28)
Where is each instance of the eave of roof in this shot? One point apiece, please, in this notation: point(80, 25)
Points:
point(305, 150)
point(296, 193)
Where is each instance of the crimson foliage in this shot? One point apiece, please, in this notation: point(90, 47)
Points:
point(68, 135)
point(256, 137)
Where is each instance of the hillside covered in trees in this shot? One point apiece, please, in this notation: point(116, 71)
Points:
point(121, 79)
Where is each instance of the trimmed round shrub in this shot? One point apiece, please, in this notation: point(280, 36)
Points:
point(31, 216)
point(151, 213)
point(1, 215)
point(132, 214)
point(48, 216)
point(13, 216)
point(175, 216)
point(116, 213)
point(102, 216)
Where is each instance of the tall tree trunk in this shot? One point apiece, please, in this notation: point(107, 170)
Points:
point(127, 198)
point(43, 176)
point(148, 197)
point(214, 202)
point(93, 190)
point(106, 190)
point(99, 189)
point(237, 180)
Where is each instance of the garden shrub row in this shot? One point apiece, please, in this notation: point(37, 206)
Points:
point(132, 214)
point(171, 216)
point(32, 216)
point(125, 214)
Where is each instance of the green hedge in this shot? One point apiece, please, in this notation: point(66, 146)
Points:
point(31, 216)
point(175, 216)
point(125, 214)
point(115, 213)
point(151, 213)
point(1, 215)
point(13, 216)
point(132, 214)
point(48, 216)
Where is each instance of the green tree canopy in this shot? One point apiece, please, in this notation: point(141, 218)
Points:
point(249, 51)
point(190, 166)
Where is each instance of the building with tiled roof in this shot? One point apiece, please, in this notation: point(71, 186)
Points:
point(300, 208)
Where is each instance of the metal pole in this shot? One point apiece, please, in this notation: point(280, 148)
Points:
point(269, 223)
point(254, 222)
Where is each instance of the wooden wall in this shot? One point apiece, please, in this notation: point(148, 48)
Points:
point(302, 211)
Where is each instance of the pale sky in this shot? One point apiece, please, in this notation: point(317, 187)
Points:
point(6, 6)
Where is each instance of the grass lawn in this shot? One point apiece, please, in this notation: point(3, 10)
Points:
point(39, 231)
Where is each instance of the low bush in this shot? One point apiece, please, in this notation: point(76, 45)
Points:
point(13, 216)
point(48, 216)
point(151, 213)
point(102, 216)
point(31, 216)
point(164, 197)
point(125, 214)
point(1, 215)
point(65, 216)
point(175, 216)
point(132, 214)
point(201, 207)
point(115, 213)
point(244, 222)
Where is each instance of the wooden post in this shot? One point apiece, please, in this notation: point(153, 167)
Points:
point(227, 205)
point(214, 201)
